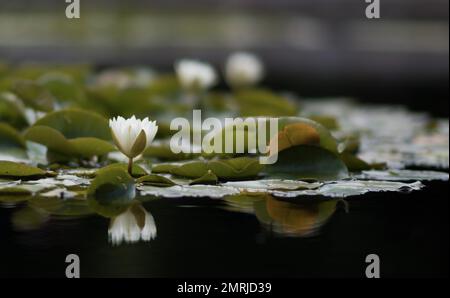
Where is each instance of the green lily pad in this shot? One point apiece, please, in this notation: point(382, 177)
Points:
point(309, 162)
point(33, 95)
point(261, 102)
point(137, 170)
point(229, 169)
point(194, 169)
point(12, 199)
point(165, 85)
point(112, 182)
point(91, 146)
point(12, 144)
point(18, 170)
point(61, 86)
point(354, 163)
point(12, 110)
point(328, 122)
point(25, 189)
point(10, 137)
point(112, 191)
point(74, 133)
point(292, 131)
point(236, 168)
point(51, 138)
point(163, 152)
point(208, 179)
point(326, 140)
point(156, 180)
point(164, 168)
point(76, 123)
point(14, 191)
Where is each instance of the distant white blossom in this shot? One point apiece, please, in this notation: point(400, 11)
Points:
point(243, 69)
point(194, 74)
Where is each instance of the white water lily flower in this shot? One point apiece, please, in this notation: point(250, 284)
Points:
point(131, 226)
point(243, 69)
point(132, 136)
point(194, 74)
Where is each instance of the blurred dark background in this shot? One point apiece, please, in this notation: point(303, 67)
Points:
point(313, 47)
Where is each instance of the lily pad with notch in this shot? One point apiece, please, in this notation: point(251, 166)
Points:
point(72, 133)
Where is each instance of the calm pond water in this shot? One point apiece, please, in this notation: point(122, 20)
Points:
point(212, 238)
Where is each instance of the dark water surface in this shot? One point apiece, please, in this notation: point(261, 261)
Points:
point(201, 238)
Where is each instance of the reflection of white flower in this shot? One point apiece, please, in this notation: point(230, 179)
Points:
point(194, 74)
point(243, 69)
point(131, 226)
point(132, 136)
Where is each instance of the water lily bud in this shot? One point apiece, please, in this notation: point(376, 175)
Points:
point(132, 136)
point(195, 75)
point(243, 69)
point(131, 226)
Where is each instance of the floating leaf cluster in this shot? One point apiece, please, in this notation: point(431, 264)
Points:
point(57, 153)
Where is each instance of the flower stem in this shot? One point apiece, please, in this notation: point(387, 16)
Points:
point(130, 166)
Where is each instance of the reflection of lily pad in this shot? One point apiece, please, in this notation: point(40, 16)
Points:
point(60, 207)
point(294, 219)
point(12, 169)
point(309, 162)
point(28, 218)
point(245, 201)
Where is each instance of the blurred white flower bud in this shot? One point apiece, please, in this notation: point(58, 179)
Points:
point(195, 75)
point(243, 69)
